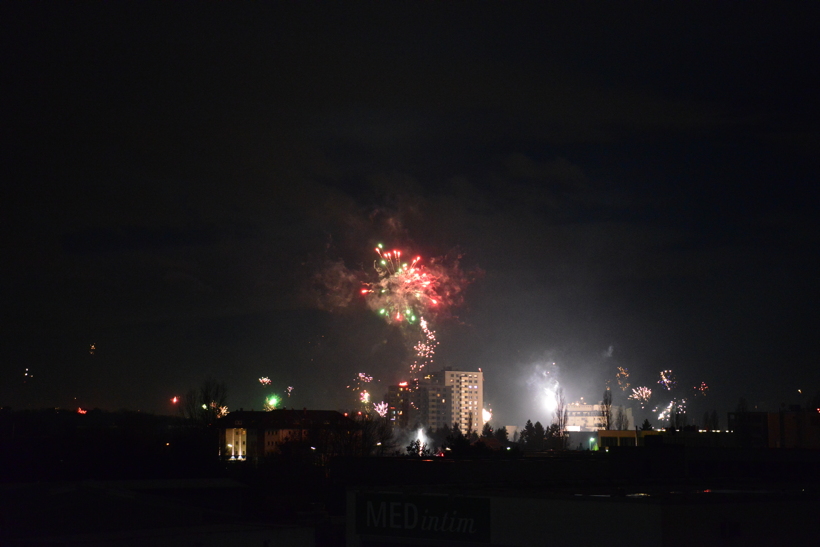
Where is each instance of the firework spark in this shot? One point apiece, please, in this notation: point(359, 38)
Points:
point(622, 376)
point(642, 395)
point(264, 380)
point(668, 380)
point(700, 390)
point(289, 390)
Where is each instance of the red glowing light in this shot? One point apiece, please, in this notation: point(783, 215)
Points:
point(175, 400)
point(405, 383)
point(82, 411)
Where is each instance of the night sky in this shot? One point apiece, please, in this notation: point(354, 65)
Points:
point(195, 188)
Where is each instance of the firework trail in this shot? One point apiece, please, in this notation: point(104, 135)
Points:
point(425, 349)
point(668, 380)
point(622, 376)
point(642, 395)
point(381, 409)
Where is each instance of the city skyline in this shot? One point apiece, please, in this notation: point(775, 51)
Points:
point(198, 193)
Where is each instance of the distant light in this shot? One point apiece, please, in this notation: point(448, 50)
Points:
point(313, 448)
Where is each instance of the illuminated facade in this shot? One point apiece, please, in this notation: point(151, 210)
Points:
point(401, 405)
point(453, 397)
point(236, 443)
point(581, 417)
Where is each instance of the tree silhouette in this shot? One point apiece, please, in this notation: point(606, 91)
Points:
point(561, 417)
point(205, 404)
point(606, 410)
point(621, 420)
point(538, 437)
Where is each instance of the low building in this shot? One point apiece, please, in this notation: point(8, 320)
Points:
point(792, 428)
point(251, 435)
point(583, 417)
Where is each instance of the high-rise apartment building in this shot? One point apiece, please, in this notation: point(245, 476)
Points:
point(455, 397)
point(444, 397)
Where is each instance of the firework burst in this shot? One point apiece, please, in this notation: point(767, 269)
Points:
point(700, 390)
point(668, 380)
point(264, 380)
point(404, 290)
point(642, 395)
point(271, 402)
point(359, 387)
point(486, 415)
point(381, 409)
point(622, 377)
